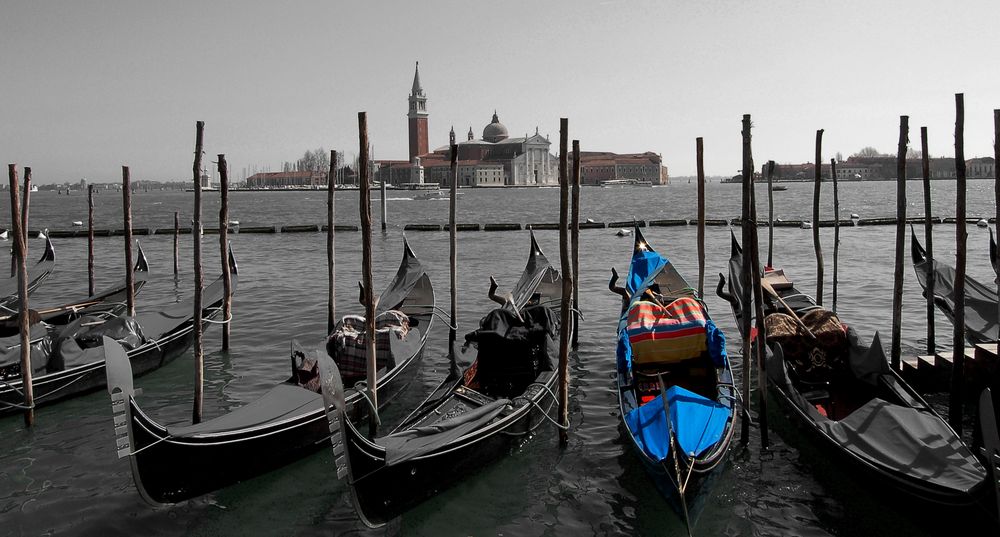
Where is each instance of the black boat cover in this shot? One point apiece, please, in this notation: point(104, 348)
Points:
point(63, 347)
point(408, 275)
point(417, 441)
point(980, 300)
point(284, 401)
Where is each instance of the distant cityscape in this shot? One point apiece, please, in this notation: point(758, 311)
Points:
point(881, 168)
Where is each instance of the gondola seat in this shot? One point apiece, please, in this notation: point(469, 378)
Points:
point(347, 344)
point(513, 350)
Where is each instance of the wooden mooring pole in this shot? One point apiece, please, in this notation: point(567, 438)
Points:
point(770, 214)
point(90, 240)
point(227, 277)
point(127, 211)
point(331, 262)
point(567, 281)
point(198, 345)
point(759, 347)
point(21, 268)
point(574, 232)
point(996, 201)
point(836, 231)
point(699, 149)
point(25, 205)
point(928, 238)
point(382, 187)
point(816, 244)
point(365, 208)
point(453, 248)
point(746, 281)
point(958, 340)
point(177, 232)
point(897, 279)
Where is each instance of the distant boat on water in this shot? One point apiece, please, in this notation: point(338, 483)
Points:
point(778, 188)
point(624, 182)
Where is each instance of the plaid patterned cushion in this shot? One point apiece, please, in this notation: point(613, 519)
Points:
point(347, 344)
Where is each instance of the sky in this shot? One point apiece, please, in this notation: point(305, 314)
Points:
point(90, 86)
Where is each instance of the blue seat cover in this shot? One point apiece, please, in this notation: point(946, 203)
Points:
point(698, 423)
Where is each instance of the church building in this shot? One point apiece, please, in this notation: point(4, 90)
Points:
point(493, 160)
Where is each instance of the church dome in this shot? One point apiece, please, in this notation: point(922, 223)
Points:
point(495, 131)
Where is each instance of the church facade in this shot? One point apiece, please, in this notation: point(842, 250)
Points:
point(494, 160)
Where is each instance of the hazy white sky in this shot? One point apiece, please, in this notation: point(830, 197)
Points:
point(91, 85)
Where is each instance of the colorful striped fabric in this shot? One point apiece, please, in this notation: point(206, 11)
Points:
point(667, 334)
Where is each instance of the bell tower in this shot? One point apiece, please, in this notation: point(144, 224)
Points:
point(417, 117)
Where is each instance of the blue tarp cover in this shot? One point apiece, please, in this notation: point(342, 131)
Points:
point(644, 264)
point(698, 423)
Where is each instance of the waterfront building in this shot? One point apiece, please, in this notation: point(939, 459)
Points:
point(297, 179)
point(598, 167)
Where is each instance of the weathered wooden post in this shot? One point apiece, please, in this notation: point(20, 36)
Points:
point(747, 269)
point(453, 247)
point(567, 281)
point(331, 263)
point(127, 211)
point(382, 187)
point(365, 208)
point(699, 149)
point(928, 239)
point(25, 205)
point(177, 232)
point(816, 244)
point(198, 345)
point(897, 285)
point(770, 214)
point(575, 240)
point(90, 240)
point(996, 192)
point(20, 238)
point(958, 340)
point(836, 231)
point(758, 302)
point(227, 277)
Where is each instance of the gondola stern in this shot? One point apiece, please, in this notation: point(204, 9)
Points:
point(50, 251)
point(234, 267)
point(993, 253)
point(141, 263)
point(640, 244)
point(917, 251)
point(535, 249)
point(120, 387)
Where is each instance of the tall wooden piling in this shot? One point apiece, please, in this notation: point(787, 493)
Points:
point(574, 232)
point(770, 214)
point(759, 349)
point(928, 238)
point(746, 281)
point(836, 231)
point(382, 187)
point(567, 281)
point(897, 280)
point(177, 232)
point(25, 205)
point(21, 268)
point(699, 149)
point(816, 244)
point(90, 240)
point(127, 212)
point(198, 345)
point(996, 187)
point(453, 247)
point(365, 209)
point(958, 340)
point(227, 277)
point(331, 263)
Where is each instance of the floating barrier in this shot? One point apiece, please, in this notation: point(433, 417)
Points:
point(424, 227)
point(670, 222)
point(501, 227)
point(309, 228)
point(548, 225)
point(592, 225)
point(467, 227)
point(628, 223)
point(339, 227)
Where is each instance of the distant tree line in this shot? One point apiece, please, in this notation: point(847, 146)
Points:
point(317, 160)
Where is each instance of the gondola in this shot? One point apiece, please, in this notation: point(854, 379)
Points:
point(107, 303)
point(36, 275)
point(842, 391)
point(980, 300)
point(674, 381)
point(174, 463)
point(69, 360)
point(499, 389)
